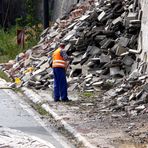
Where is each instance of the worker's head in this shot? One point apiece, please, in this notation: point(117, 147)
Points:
point(62, 45)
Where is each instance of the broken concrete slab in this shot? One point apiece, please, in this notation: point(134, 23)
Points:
point(84, 70)
point(95, 60)
point(127, 60)
point(84, 17)
point(95, 51)
point(100, 17)
point(111, 93)
point(99, 38)
point(98, 83)
point(44, 66)
point(41, 63)
point(134, 75)
point(72, 25)
point(39, 71)
point(77, 60)
point(76, 70)
point(117, 20)
point(77, 53)
point(26, 77)
point(140, 108)
point(131, 16)
point(89, 90)
point(37, 77)
point(52, 34)
point(123, 41)
point(135, 22)
point(73, 87)
point(89, 76)
point(69, 35)
point(88, 80)
point(116, 71)
point(109, 43)
point(145, 88)
point(104, 58)
point(67, 47)
point(120, 50)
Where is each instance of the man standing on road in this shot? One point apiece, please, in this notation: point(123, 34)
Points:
point(59, 65)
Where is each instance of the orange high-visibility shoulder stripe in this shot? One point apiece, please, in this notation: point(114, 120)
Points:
point(58, 60)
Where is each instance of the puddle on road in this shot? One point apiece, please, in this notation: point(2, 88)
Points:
point(132, 146)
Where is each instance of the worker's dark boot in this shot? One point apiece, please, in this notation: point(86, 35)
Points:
point(57, 100)
point(66, 100)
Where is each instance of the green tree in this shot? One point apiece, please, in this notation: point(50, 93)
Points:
point(30, 18)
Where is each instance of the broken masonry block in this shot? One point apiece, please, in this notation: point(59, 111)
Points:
point(130, 16)
point(120, 50)
point(114, 71)
point(117, 20)
point(108, 44)
point(123, 41)
point(127, 60)
point(100, 17)
point(76, 72)
point(104, 58)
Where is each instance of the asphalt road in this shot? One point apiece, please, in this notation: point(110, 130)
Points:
point(17, 114)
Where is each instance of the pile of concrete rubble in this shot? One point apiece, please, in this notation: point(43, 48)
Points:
point(130, 95)
point(102, 39)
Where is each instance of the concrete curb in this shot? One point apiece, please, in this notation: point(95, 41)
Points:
point(35, 98)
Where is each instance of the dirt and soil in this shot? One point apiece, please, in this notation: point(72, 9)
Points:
point(101, 126)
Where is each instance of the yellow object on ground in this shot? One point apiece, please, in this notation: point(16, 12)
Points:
point(30, 69)
point(18, 81)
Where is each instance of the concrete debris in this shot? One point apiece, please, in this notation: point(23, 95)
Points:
point(104, 58)
point(101, 16)
point(116, 71)
point(98, 83)
point(127, 60)
point(101, 37)
point(145, 88)
point(120, 50)
point(139, 108)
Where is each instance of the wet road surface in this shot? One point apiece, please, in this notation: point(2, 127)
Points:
point(16, 114)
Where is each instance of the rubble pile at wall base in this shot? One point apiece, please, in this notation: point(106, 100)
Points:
point(102, 39)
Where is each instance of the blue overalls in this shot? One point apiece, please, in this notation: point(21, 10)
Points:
point(60, 82)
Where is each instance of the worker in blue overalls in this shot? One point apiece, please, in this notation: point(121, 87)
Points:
point(59, 65)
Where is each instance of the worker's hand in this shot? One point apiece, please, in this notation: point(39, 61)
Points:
point(67, 64)
point(70, 58)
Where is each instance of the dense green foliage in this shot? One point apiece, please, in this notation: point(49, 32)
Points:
point(29, 23)
point(4, 76)
point(8, 46)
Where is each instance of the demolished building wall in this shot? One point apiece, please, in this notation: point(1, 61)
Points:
point(102, 40)
point(100, 36)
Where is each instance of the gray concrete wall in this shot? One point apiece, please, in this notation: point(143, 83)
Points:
point(143, 39)
point(60, 7)
point(56, 8)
